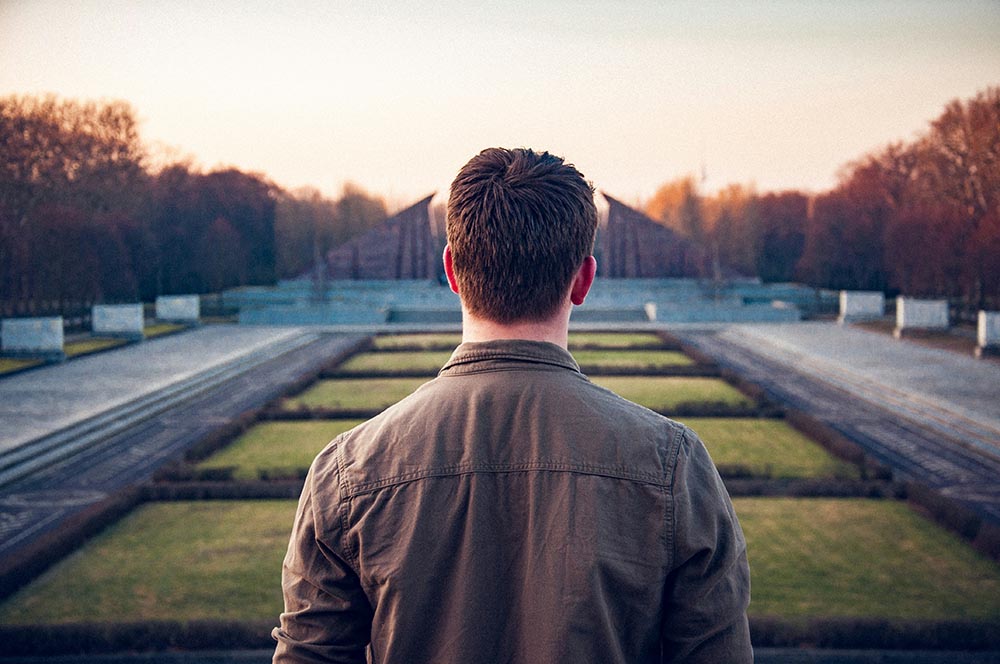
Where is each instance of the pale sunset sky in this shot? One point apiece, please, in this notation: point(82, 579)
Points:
point(396, 96)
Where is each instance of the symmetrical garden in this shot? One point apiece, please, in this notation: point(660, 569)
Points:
point(837, 556)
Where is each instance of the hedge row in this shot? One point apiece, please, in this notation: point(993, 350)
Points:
point(699, 370)
point(94, 638)
point(23, 566)
point(872, 633)
point(685, 409)
point(254, 490)
point(833, 633)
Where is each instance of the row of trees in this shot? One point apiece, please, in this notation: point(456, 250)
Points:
point(920, 218)
point(84, 217)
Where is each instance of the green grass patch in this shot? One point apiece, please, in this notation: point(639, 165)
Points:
point(632, 360)
point(354, 393)
point(92, 345)
point(276, 449)
point(815, 558)
point(417, 341)
point(767, 448)
point(579, 340)
point(428, 361)
point(12, 364)
point(218, 560)
point(160, 329)
point(666, 393)
point(861, 558)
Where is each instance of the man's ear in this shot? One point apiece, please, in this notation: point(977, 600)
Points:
point(449, 269)
point(583, 280)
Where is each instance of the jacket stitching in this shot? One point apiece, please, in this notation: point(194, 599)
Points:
point(476, 469)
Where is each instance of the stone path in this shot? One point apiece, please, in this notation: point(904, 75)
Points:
point(35, 504)
point(39, 402)
point(930, 415)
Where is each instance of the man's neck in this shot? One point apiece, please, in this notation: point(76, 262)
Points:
point(554, 330)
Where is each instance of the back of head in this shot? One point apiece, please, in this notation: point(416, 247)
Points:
point(520, 224)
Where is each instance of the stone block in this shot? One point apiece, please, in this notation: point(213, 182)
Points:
point(33, 337)
point(118, 320)
point(651, 310)
point(178, 308)
point(988, 333)
point(913, 314)
point(861, 305)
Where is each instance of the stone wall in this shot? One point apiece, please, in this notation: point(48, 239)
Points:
point(633, 246)
point(409, 245)
point(402, 247)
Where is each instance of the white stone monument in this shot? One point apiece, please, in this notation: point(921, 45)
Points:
point(117, 320)
point(988, 333)
point(860, 305)
point(913, 314)
point(178, 308)
point(650, 308)
point(38, 337)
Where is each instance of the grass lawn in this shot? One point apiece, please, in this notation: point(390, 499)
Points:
point(429, 361)
point(11, 364)
point(92, 345)
point(861, 558)
point(808, 558)
point(277, 449)
point(665, 393)
point(613, 340)
point(354, 393)
point(167, 561)
point(159, 329)
point(768, 448)
point(418, 341)
point(636, 360)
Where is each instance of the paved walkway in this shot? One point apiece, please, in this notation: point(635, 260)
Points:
point(931, 415)
point(135, 437)
point(39, 402)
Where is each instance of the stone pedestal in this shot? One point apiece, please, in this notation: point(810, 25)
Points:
point(920, 315)
point(650, 310)
point(861, 305)
point(178, 308)
point(32, 337)
point(117, 320)
point(988, 333)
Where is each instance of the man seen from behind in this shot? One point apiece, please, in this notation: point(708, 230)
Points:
point(510, 510)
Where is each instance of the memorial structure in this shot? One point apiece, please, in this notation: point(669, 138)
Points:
point(860, 305)
point(393, 275)
point(178, 308)
point(32, 337)
point(118, 320)
point(988, 333)
point(920, 315)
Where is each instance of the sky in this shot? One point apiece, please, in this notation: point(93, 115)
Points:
point(396, 96)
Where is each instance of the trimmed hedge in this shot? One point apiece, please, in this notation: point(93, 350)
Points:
point(833, 633)
point(260, 489)
point(748, 487)
point(94, 638)
point(956, 517)
point(21, 568)
point(866, 633)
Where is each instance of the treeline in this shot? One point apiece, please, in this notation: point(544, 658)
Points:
point(920, 218)
point(85, 218)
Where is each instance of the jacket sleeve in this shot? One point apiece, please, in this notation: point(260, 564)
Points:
point(327, 616)
point(708, 588)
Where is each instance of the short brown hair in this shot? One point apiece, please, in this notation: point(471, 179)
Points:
point(519, 225)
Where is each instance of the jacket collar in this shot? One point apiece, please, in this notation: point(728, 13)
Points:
point(519, 350)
